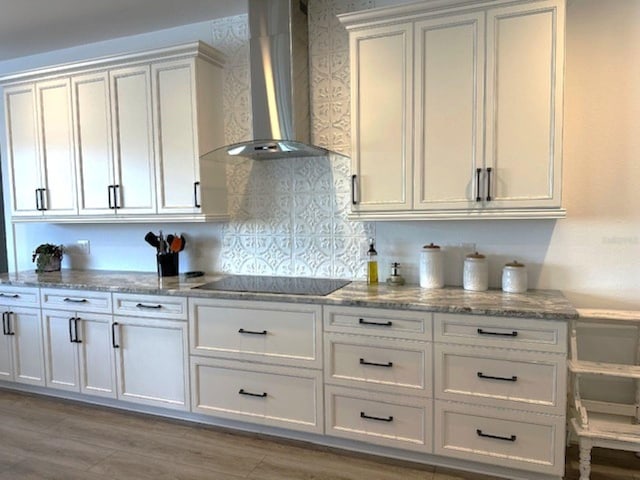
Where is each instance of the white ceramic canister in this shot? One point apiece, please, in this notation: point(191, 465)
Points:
point(475, 273)
point(514, 278)
point(431, 267)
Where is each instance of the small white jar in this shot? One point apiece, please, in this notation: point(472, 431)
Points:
point(475, 273)
point(431, 267)
point(514, 278)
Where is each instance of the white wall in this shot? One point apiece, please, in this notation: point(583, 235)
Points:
point(593, 255)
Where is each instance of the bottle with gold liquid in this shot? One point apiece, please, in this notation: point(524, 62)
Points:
point(372, 263)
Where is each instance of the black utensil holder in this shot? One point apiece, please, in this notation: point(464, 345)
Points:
point(168, 264)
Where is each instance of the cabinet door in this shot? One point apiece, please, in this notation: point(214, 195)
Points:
point(525, 65)
point(449, 94)
point(96, 355)
point(56, 147)
point(28, 361)
point(61, 353)
point(174, 109)
point(132, 139)
point(92, 128)
point(24, 158)
point(381, 116)
point(152, 361)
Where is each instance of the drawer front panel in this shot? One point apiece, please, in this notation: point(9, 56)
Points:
point(390, 420)
point(511, 438)
point(378, 322)
point(19, 296)
point(509, 378)
point(150, 306)
point(277, 396)
point(383, 364)
point(76, 300)
point(275, 333)
point(521, 333)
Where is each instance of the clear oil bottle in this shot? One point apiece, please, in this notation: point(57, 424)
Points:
point(372, 263)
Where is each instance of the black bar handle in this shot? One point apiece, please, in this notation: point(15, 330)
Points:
point(511, 438)
point(43, 203)
point(489, 184)
point(142, 305)
point(242, 391)
point(354, 201)
point(6, 295)
point(379, 419)
point(478, 172)
point(71, 329)
point(499, 334)
point(252, 332)
point(75, 300)
point(113, 335)
point(374, 364)
point(5, 330)
point(111, 195)
point(362, 321)
point(116, 196)
point(196, 187)
point(513, 378)
point(37, 190)
point(75, 325)
point(9, 330)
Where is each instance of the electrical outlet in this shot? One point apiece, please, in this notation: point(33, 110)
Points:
point(83, 247)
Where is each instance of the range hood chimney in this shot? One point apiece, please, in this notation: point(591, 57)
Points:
point(279, 64)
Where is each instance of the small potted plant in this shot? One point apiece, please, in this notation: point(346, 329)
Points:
point(47, 257)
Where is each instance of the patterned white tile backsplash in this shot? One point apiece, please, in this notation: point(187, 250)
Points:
point(289, 216)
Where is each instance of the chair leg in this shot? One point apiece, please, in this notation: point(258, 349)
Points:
point(585, 459)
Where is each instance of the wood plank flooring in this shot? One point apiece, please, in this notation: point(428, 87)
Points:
point(47, 438)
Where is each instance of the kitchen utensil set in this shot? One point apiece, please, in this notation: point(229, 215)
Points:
point(170, 244)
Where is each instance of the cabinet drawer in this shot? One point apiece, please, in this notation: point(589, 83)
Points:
point(378, 322)
point(19, 296)
point(288, 334)
point(382, 364)
point(383, 419)
point(76, 300)
point(150, 306)
point(521, 333)
point(270, 395)
point(510, 378)
point(515, 439)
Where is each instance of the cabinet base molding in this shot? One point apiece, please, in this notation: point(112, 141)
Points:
point(284, 434)
point(532, 214)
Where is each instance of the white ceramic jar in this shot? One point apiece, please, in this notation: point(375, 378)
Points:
point(475, 273)
point(431, 267)
point(514, 278)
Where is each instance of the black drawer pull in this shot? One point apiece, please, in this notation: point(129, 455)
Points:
point(504, 379)
point(6, 295)
point(379, 419)
point(364, 362)
point(113, 335)
point(252, 332)
point(243, 392)
point(362, 321)
point(75, 300)
point(142, 305)
point(512, 438)
point(499, 334)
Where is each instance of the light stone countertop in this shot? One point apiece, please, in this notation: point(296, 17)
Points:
point(544, 304)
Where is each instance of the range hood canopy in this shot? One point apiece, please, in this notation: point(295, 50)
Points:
point(279, 65)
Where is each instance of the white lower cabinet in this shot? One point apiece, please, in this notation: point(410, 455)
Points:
point(400, 421)
point(509, 438)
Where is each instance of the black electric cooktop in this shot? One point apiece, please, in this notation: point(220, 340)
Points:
point(267, 284)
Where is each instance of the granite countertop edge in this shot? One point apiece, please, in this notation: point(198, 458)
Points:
point(540, 304)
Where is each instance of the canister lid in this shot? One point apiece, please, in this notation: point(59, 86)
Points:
point(475, 255)
point(515, 263)
point(431, 245)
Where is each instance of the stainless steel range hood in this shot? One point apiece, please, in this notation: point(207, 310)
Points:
point(279, 64)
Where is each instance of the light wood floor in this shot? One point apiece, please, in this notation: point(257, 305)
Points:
point(47, 438)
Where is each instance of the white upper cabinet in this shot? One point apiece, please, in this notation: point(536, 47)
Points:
point(469, 122)
point(40, 145)
point(120, 137)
